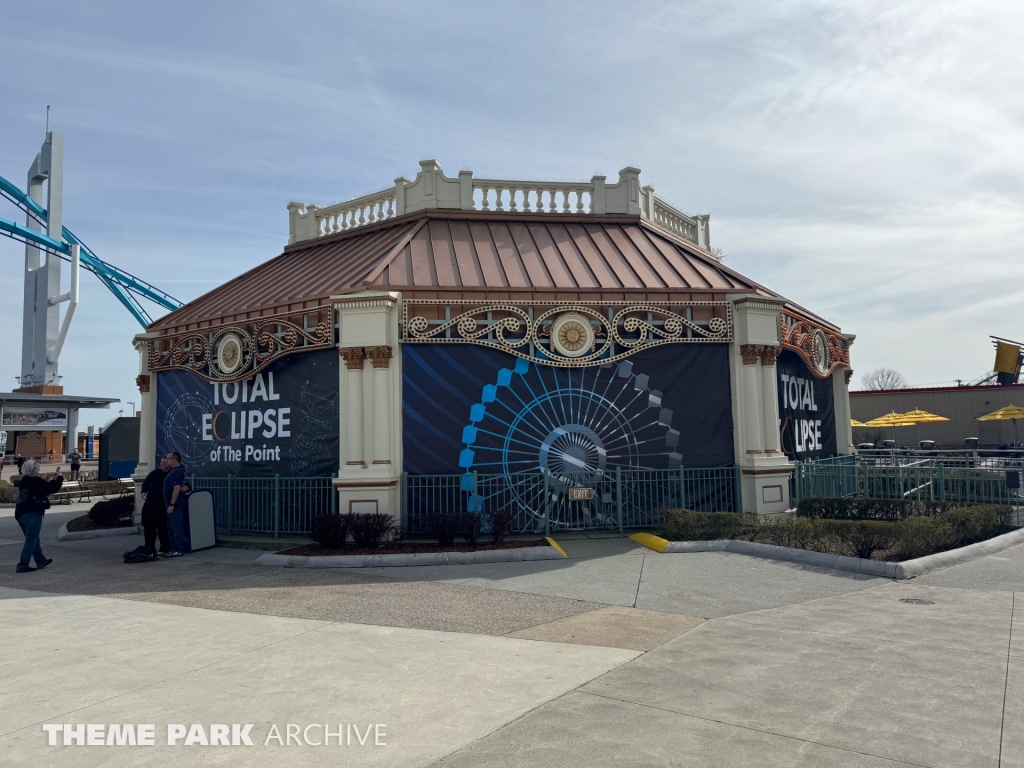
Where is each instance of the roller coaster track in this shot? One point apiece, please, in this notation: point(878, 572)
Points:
point(126, 287)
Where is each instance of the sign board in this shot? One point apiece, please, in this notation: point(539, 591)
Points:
point(581, 494)
point(33, 417)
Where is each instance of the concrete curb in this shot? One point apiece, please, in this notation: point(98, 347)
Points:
point(420, 558)
point(101, 533)
point(922, 565)
point(908, 569)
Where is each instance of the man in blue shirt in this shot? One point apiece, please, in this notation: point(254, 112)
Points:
point(174, 499)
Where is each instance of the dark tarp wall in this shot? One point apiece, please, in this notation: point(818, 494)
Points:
point(282, 421)
point(469, 408)
point(807, 420)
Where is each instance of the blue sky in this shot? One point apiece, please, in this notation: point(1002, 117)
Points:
point(863, 158)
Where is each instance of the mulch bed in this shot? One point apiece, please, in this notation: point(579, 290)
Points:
point(315, 550)
point(86, 523)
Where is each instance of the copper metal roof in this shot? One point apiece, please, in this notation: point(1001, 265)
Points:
point(430, 251)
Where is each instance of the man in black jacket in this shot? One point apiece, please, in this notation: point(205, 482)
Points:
point(32, 504)
point(154, 514)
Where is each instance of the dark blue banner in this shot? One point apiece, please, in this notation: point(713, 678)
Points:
point(282, 421)
point(807, 422)
point(471, 408)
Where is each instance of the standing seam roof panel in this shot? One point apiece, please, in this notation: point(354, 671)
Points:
point(680, 259)
point(574, 261)
point(511, 260)
point(598, 265)
point(465, 254)
point(532, 259)
point(665, 267)
point(490, 264)
point(557, 267)
point(627, 277)
point(444, 254)
point(649, 278)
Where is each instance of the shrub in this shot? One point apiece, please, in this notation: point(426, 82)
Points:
point(865, 537)
point(370, 528)
point(112, 512)
point(801, 533)
point(499, 524)
point(871, 509)
point(919, 536)
point(330, 531)
point(444, 526)
point(8, 495)
point(470, 525)
point(687, 525)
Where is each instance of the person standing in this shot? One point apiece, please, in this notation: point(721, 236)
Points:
point(75, 459)
point(32, 504)
point(174, 502)
point(154, 513)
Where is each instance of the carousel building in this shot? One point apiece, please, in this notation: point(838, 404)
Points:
point(546, 335)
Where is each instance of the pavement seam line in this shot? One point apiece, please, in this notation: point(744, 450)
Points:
point(970, 651)
point(166, 679)
point(1006, 683)
point(752, 729)
point(639, 579)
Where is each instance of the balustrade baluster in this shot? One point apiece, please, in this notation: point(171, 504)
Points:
point(512, 199)
point(526, 200)
point(579, 201)
point(486, 202)
point(554, 203)
point(500, 202)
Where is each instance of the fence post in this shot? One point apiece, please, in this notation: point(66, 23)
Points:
point(277, 506)
point(334, 496)
point(231, 506)
point(618, 495)
point(405, 503)
point(547, 507)
point(682, 488)
point(476, 496)
point(796, 483)
point(737, 499)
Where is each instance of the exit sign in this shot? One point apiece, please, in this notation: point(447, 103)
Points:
point(581, 494)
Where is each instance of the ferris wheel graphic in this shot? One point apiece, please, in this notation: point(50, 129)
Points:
point(570, 427)
point(183, 427)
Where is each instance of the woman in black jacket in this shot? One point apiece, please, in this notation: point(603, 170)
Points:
point(32, 504)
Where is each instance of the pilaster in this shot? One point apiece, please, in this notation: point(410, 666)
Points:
point(146, 381)
point(764, 469)
point(371, 460)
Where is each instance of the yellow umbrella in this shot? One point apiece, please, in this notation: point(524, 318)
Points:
point(923, 417)
point(1008, 413)
point(892, 420)
point(855, 423)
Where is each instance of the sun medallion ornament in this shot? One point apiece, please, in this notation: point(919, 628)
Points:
point(572, 335)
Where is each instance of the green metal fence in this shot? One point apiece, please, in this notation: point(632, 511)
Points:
point(542, 503)
point(268, 505)
point(929, 479)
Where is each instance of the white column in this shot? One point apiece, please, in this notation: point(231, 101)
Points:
point(751, 375)
point(146, 382)
point(354, 357)
point(380, 357)
point(841, 398)
point(770, 398)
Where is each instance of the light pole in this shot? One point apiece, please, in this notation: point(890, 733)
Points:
point(133, 407)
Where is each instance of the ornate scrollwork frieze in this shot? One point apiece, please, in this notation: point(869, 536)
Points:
point(823, 349)
point(567, 335)
point(233, 352)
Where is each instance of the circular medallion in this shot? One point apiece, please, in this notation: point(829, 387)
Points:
point(229, 353)
point(819, 351)
point(572, 335)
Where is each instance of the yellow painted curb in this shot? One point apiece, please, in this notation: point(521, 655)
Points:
point(556, 545)
point(656, 543)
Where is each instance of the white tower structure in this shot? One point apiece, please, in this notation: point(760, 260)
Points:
point(42, 332)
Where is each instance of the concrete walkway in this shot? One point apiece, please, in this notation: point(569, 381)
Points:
point(616, 656)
